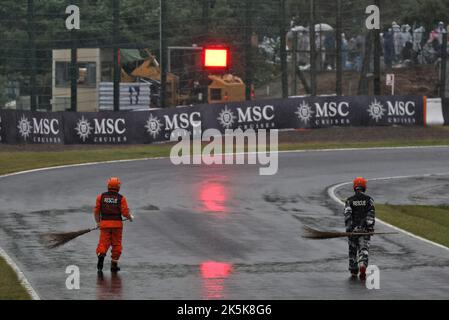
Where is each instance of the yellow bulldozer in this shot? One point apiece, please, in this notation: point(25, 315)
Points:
point(137, 67)
point(134, 70)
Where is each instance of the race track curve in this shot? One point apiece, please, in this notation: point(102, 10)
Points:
point(207, 232)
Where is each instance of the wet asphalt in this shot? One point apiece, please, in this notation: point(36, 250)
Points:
point(225, 232)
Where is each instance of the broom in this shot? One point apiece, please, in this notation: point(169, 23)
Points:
point(54, 240)
point(310, 233)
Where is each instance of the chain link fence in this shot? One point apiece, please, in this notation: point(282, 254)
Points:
point(411, 51)
point(274, 53)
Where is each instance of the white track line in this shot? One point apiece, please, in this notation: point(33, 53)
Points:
point(223, 154)
point(26, 284)
point(21, 276)
point(331, 192)
point(366, 149)
point(23, 280)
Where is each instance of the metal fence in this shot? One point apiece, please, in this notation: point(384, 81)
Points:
point(405, 56)
point(44, 66)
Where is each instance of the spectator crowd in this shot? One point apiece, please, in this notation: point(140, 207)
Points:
point(401, 45)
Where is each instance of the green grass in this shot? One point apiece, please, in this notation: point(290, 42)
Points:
point(10, 288)
point(14, 161)
point(25, 160)
point(429, 222)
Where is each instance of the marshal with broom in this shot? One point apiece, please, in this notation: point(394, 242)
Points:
point(111, 209)
point(360, 219)
point(55, 240)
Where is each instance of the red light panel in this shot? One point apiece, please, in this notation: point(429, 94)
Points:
point(216, 58)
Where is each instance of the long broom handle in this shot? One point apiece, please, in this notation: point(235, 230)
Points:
point(97, 227)
point(345, 234)
point(349, 234)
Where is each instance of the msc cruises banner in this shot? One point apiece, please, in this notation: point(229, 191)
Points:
point(19, 127)
point(126, 127)
point(158, 125)
point(316, 112)
point(98, 128)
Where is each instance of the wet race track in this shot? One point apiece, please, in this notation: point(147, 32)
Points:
point(207, 232)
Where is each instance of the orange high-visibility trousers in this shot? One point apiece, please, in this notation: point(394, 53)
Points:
point(110, 237)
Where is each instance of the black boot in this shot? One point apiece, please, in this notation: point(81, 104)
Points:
point(114, 266)
point(353, 268)
point(100, 263)
point(354, 273)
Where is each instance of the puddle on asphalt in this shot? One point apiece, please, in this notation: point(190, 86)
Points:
point(60, 212)
point(149, 207)
point(279, 199)
point(109, 287)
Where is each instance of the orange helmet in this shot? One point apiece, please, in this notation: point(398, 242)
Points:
point(114, 184)
point(359, 183)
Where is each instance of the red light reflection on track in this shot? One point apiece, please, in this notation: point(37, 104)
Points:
point(214, 274)
point(213, 196)
point(214, 270)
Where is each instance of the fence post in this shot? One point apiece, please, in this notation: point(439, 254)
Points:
point(312, 49)
point(73, 72)
point(282, 34)
point(116, 49)
point(163, 54)
point(377, 54)
point(444, 57)
point(339, 90)
point(294, 63)
point(32, 44)
point(363, 82)
point(248, 49)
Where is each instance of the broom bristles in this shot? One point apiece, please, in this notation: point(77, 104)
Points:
point(54, 240)
point(310, 233)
